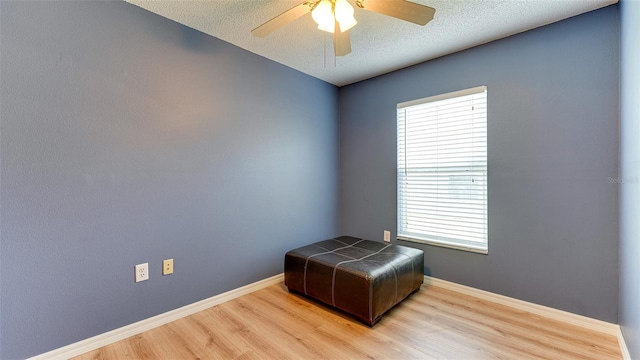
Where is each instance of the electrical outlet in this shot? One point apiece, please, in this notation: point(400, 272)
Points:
point(387, 236)
point(142, 272)
point(167, 267)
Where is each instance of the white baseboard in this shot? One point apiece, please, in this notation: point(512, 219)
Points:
point(122, 333)
point(623, 346)
point(564, 316)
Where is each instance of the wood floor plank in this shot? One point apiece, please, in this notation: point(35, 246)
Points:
point(434, 323)
point(530, 331)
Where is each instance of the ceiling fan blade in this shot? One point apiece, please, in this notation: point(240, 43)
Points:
point(400, 9)
point(281, 20)
point(341, 41)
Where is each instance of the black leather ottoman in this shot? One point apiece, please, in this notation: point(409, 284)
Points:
point(361, 277)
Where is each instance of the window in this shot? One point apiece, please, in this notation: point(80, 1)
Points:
point(442, 170)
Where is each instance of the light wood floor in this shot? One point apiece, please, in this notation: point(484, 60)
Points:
point(433, 323)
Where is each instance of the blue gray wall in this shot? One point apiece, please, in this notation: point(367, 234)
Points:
point(629, 313)
point(127, 138)
point(553, 152)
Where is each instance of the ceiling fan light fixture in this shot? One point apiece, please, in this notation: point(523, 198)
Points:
point(326, 27)
point(344, 15)
point(347, 23)
point(322, 14)
point(336, 16)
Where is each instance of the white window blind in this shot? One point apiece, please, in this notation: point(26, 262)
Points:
point(442, 170)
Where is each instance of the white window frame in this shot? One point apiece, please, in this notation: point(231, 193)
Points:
point(443, 179)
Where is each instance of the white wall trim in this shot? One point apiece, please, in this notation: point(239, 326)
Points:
point(623, 345)
point(124, 332)
point(564, 316)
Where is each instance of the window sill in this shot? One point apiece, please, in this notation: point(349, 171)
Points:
point(445, 245)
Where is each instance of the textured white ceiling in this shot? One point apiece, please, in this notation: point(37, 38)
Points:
point(379, 43)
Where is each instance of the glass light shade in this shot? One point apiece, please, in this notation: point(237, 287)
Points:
point(344, 15)
point(326, 27)
point(323, 16)
point(347, 24)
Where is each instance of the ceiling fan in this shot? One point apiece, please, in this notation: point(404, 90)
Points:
point(336, 16)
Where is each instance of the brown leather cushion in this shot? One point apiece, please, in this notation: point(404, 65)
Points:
point(362, 277)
